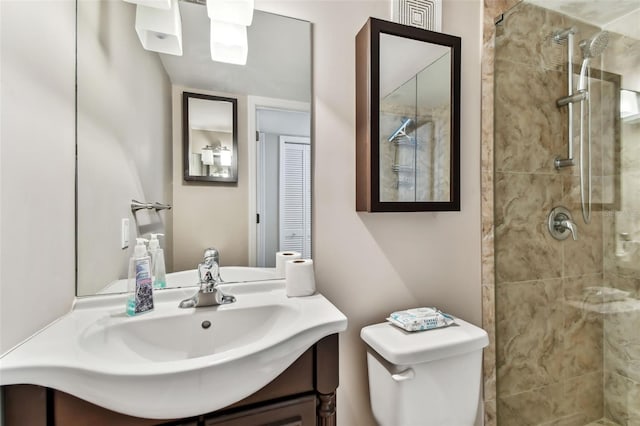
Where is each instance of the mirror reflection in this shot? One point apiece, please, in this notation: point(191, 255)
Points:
point(415, 118)
point(130, 146)
point(210, 138)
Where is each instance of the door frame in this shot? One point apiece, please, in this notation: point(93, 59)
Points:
point(253, 104)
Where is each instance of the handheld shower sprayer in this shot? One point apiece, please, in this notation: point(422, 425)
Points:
point(591, 48)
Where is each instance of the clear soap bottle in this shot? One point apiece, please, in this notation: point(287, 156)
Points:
point(157, 262)
point(139, 284)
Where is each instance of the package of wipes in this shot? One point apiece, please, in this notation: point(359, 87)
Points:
point(419, 319)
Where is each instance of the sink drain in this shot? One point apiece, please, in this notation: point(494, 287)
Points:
point(206, 324)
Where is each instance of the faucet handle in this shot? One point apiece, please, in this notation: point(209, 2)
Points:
point(561, 224)
point(212, 252)
point(568, 224)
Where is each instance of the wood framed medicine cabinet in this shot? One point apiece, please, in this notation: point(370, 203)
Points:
point(407, 119)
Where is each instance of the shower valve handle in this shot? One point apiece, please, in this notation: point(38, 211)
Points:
point(564, 224)
point(561, 224)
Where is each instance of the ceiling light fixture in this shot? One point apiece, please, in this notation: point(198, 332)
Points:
point(229, 22)
point(229, 43)
point(160, 30)
point(158, 4)
point(239, 12)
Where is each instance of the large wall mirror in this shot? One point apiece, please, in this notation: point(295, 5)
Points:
point(130, 147)
point(408, 119)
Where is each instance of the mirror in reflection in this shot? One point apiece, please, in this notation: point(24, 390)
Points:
point(210, 138)
point(130, 147)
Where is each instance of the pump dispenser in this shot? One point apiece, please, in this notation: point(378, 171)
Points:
point(139, 284)
point(157, 262)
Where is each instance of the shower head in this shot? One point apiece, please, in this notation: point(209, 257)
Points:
point(591, 48)
point(595, 45)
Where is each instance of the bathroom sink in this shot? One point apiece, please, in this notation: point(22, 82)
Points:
point(171, 362)
point(184, 335)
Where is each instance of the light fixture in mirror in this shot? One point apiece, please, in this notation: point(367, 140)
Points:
point(129, 144)
point(160, 4)
point(229, 43)
point(210, 138)
point(407, 119)
point(239, 12)
point(160, 30)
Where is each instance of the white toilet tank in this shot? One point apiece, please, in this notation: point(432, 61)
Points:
point(425, 378)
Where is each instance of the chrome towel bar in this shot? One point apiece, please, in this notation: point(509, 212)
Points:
point(137, 205)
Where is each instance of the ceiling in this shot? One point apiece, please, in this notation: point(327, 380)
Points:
point(278, 64)
point(621, 16)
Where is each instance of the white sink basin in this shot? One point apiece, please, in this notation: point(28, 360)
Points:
point(165, 364)
point(182, 335)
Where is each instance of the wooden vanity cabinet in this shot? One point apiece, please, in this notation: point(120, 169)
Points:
point(303, 395)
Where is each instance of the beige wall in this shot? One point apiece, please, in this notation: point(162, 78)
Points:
point(210, 214)
point(367, 264)
point(37, 165)
point(124, 143)
point(547, 347)
point(371, 264)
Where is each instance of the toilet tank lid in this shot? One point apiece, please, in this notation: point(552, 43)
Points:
point(407, 348)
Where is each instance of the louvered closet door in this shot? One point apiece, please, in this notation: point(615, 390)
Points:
point(295, 195)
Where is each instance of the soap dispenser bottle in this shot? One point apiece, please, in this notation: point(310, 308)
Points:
point(157, 262)
point(140, 286)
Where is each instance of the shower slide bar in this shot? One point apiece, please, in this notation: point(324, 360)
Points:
point(559, 37)
point(398, 168)
point(401, 131)
point(591, 48)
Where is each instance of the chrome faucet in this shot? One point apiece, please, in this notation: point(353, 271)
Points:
point(561, 224)
point(209, 294)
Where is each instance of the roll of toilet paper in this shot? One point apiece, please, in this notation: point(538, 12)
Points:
point(300, 280)
point(281, 259)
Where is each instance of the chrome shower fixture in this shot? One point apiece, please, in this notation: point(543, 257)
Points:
point(558, 37)
point(591, 48)
point(595, 45)
point(402, 130)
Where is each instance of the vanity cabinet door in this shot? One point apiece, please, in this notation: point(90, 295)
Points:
point(295, 412)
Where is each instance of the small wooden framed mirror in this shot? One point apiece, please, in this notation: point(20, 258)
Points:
point(407, 119)
point(209, 138)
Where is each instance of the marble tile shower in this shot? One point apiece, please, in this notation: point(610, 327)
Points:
point(567, 313)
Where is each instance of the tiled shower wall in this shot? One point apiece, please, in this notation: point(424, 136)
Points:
point(552, 362)
point(553, 365)
point(549, 354)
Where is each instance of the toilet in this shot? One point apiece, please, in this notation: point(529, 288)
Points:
point(425, 378)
